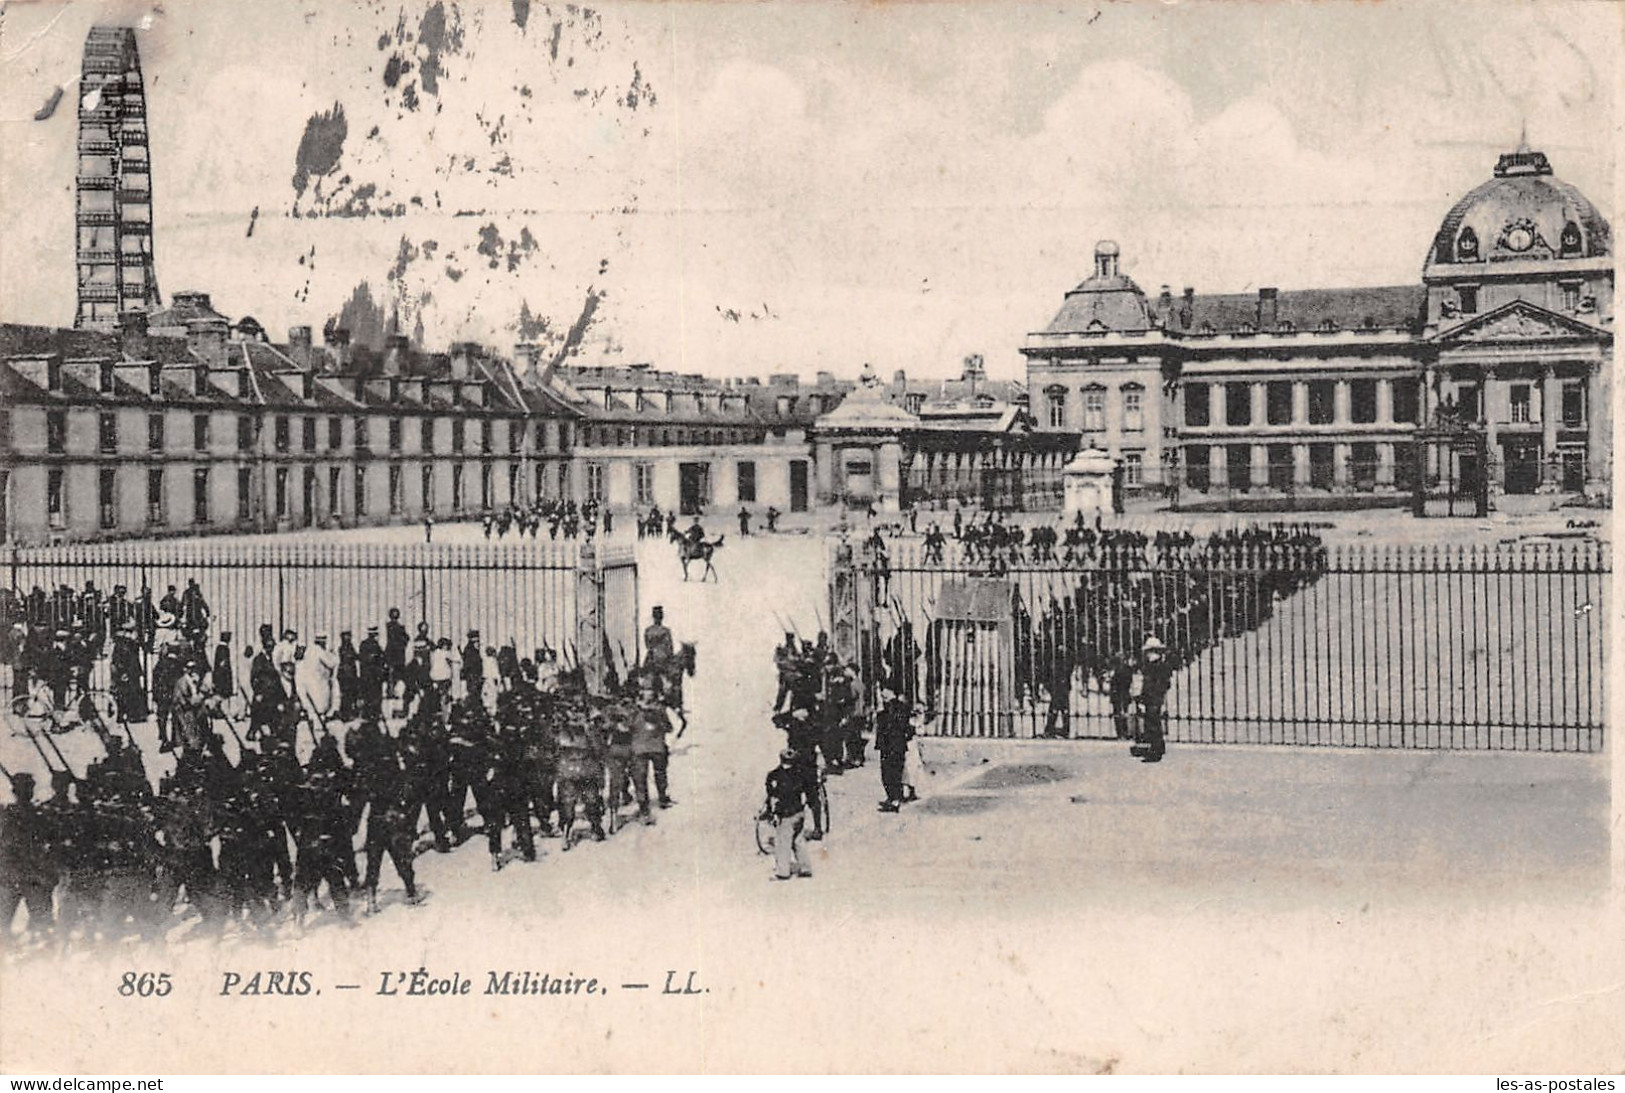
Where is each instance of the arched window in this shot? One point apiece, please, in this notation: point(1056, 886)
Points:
point(1467, 246)
point(1570, 242)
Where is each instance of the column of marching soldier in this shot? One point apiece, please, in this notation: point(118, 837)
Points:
point(255, 840)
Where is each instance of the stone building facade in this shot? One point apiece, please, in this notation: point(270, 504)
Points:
point(1334, 397)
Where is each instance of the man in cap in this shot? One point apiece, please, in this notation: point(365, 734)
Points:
point(473, 668)
point(349, 677)
point(396, 644)
point(894, 728)
point(786, 805)
point(222, 678)
point(374, 669)
point(1155, 676)
point(313, 679)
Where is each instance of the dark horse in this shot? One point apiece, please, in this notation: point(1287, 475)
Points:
point(690, 551)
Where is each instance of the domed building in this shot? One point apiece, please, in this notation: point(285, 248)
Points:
point(1490, 376)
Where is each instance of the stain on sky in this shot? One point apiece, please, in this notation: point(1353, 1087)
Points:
point(521, 13)
point(50, 106)
point(438, 33)
point(253, 218)
point(320, 147)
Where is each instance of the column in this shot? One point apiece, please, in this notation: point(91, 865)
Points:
point(824, 456)
point(1340, 458)
point(1340, 412)
point(888, 476)
point(1385, 402)
point(1385, 463)
point(1492, 435)
point(1260, 405)
point(1551, 412)
point(1215, 404)
point(1300, 463)
point(1599, 456)
point(1300, 403)
point(1261, 462)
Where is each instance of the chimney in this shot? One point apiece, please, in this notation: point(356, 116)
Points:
point(132, 334)
point(338, 341)
point(206, 338)
point(899, 380)
point(299, 345)
point(395, 347)
point(1267, 308)
point(462, 359)
point(527, 355)
point(826, 379)
point(1187, 308)
point(973, 368)
point(1165, 306)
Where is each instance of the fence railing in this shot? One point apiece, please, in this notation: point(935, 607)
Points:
point(1494, 647)
point(526, 592)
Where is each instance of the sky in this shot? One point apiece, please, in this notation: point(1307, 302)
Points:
point(745, 189)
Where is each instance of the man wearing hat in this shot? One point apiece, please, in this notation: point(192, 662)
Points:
point(223, 678)
point(396, 645)
point(27, 873)
point(374, 669)
point(349, 677)
point(786, 805)
point(313, 679)
point(1155, 676)
point(894, 728)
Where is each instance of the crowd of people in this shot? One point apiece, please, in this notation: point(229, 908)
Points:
point(564, 519)
point(251, 826)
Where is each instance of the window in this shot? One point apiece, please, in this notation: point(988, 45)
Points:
point(1278, 402)
point(107, 496)
point(1133, 411)
point(485, 486)
point(1467, 401)
point(1573, 406)
point(283, 439)
point(595, 481)
point(1238, 460)
point(1198, 468)
point(1057, 409)
point(1467, 299)
point(245, 493)
point(335, 433)
point(395, 489)
point(428, 489)
point(53, 375)
point(747, 482)
point(643, 483)
point(1322, 473)
point(1569, 241)
point(458, 434)
point(1133, 468)
point(1197, 406)
point(335, 490)
point(56, 431)
point(1571, 295)
point(245, 432)
point(1094, 409)
point(1238, 404)
point(56, 503)
point(200, 496)
point(155, 432)
point(360, 487)
point(282, 492)
point(309, 437)
point(516, 435)
point(1280, 466)
point(1518, 397)
point(427, 442)
point(109, 433)
point(156, 514)
point(1407, 401)
point(200, 432)
point(362, 435)
point(1363, 401)
point(916, 401)
point(1363, 466)
point(104, 377)
point(457, 497)
point(485, 437)
point(1322, 402)
point(1467, 246)
point(513, 483)
point(566, 486)
point(394, 434)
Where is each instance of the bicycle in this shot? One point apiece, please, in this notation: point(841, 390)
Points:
point(39, 712)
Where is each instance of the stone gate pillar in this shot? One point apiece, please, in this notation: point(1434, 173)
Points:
point(590, 619)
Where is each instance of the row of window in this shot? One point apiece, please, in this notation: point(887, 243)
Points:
point(56, 433)
point(1094, 409)
point(643, 482)
point(1321, 408)
point(56, 493)
point(1280, 471)
point(644, 436)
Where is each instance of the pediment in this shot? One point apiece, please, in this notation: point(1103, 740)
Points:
point(1519, 321)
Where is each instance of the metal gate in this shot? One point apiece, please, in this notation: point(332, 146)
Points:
point(1275, 639)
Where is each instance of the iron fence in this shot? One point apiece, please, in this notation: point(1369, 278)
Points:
point(1493, 647)
point(528, 592)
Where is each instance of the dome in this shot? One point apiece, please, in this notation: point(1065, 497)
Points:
point(1106, 248)
point(1106, 302)
point(1523, 213)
